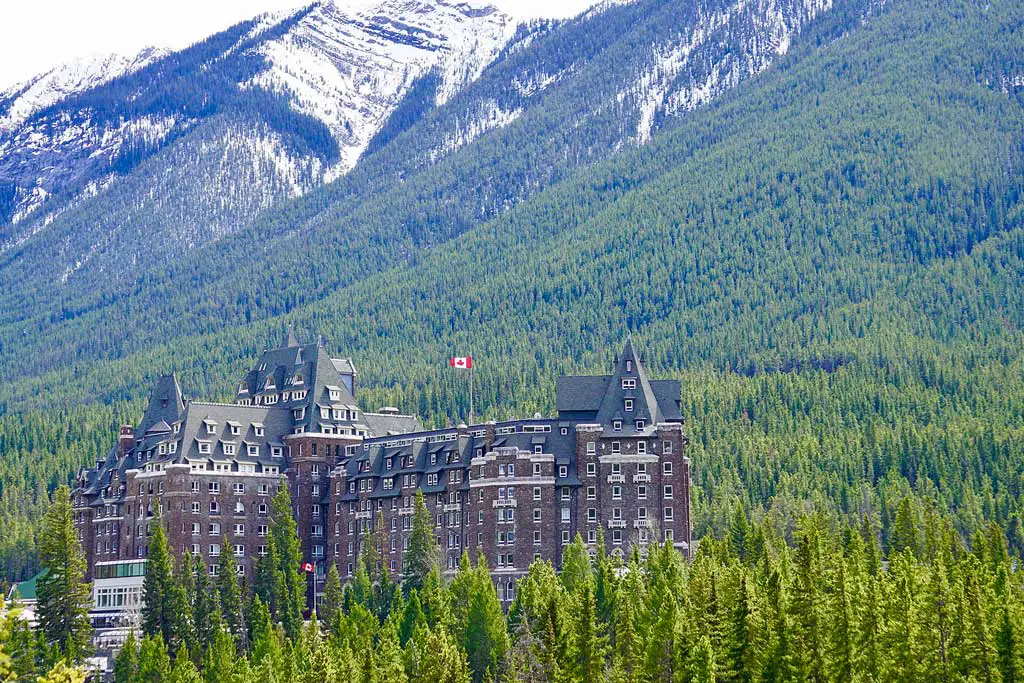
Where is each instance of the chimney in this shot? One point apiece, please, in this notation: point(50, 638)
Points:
point(388, 410)
point(126, 439)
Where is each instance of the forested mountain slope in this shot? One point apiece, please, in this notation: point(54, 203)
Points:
point(829, 255)
point(559, 97)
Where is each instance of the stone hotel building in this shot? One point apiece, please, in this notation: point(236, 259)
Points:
point(614, 458)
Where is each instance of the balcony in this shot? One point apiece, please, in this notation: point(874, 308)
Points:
point(641, 478)
point(505, 503)
point(616, 524)
point(616, 479)
point(452, 507)
point(402, 512)
point(642, 524)
point(363, 514)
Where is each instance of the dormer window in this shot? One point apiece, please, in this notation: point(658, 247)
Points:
point(640, 424)
point(236, 428)
point(297, 379)
point(204, 447)
point(211, 427)
point(628, 405)
point(628, 383)
point(334, 393)
point(254, 451)
point(269, 384)
point(617, 425)
point(257, 428)
point(229, 449)
point(243, 388)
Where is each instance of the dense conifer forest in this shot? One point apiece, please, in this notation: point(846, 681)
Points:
point(819, 601)
point(830, 257)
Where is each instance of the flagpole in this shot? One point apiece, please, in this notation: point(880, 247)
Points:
point(471, 370)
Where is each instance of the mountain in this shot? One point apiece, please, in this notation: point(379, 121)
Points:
point(558, 97)
point(271, 107)
point(811, 214)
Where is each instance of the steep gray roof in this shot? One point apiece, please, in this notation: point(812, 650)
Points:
point(166, 404)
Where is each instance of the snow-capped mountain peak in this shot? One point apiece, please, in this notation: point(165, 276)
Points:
point(78, 75)
point(349, 67)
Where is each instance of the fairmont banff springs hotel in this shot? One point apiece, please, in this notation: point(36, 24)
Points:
point(613, 459)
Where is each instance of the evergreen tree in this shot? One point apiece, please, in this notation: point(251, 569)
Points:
point(157, 608)
point(184, 670)
point(230, 594)
point(126, 666)
point(205, 610)
point(220, 658)
point(154, 661)
point(63, 673)
point(420, 558)
point(587, 645)
point(62, 594)
point(485, 638)
point(289, 584)
point(330, 610)
point(904, 535)
point(442, 661)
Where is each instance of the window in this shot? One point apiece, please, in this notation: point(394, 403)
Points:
point(591, 469)
point(617, 425)
point(617, 536)
point(239, 530)
point(641, 446)
point(566, 515)
point(195, 507)
point(195, 487)
point(536, 537)
point(667, 468)
point(253, 451)
point(628, 383)
point(239, 550)
point(204, 447)
point(669, 535)
point(641, 424)
point(563, 471)
point(262, 489)
point(195, 529)
point(666, 448)
point(215, 528)
point(591, 536)
point(538, 449)
point(238, 489)
point(214, 549)
point(262, 530)
point(641, 513)
point(229, 449)
point(591, 514)
point(641, 493)
point(628, 405)
point(591, 447)
point(616, 493)
point(616, 447)
point(536, 514)
point(314, 469)
point(262, 509)
point(536, 493)
point(214, 487)
point(565, 493)
point(668, 514)
point(536, 469)
point(214, 507)
point(565, 537)
point(668, 491)
point(591, 493)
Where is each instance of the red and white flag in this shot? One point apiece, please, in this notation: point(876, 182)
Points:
point(307, 566)
point(461, 362)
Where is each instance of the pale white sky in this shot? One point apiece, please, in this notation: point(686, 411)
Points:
point(36, 35)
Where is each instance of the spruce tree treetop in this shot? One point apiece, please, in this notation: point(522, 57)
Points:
point(421, 557)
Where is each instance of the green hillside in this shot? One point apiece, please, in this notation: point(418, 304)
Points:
point(830, 257)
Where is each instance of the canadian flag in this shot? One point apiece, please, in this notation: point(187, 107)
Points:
point(461, 362)
point(307, 566)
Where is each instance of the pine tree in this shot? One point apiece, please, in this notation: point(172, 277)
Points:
point(289, 585)
point(575, 565)
point(205, 610)
point(7, 673)
point(220, 658)
point(330, 610)
point(266, 647)
point(904, 535)
point(703, 668)
point(126, 666)
point(587, 645)
point(184, 671)
point(442, 662)
point(230, 594)
point(63, 595)
point(806, 607)
point(154, 662)
point(157, 610)
point(485, 637)
point(421, 557)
